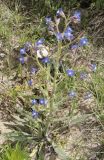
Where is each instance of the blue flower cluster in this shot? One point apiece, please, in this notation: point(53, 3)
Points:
point(41, 50)
point(73, 94)
point(68, 33)
point(24, 51)
point(43, 56)
point(40, 101)
point(76, 18)
point(82, 42)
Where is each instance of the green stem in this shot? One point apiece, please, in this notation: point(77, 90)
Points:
point(52, 98)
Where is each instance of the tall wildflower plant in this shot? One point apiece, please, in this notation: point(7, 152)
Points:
point(51, 81)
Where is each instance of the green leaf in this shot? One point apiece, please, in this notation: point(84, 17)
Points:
point(60, 153)
point(14, 153)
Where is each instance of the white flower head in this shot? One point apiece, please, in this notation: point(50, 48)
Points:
point(42, 52)
point(39, 55)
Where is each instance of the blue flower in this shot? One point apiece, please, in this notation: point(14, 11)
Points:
point(68, 35)
point(42, 101)
point(83, 75)
point(74, 47)
point(39, 42)
point(77, 16)
point(60, 12)
point(45, 60)
point(72, 94)
point(33, 70)
point(93, 67)
point(59, 36)
point(69, 29)
point(35, 114)
point(34, 101)
point(22, 51)
point(70, 72)
point(83, 41)
point(48, 20)
point(88, 95)
point(30, 82)
point(22, 60)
